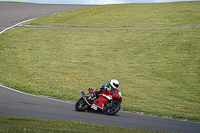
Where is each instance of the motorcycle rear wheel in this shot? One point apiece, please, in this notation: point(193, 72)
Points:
point(112, 108)
point(81, 105)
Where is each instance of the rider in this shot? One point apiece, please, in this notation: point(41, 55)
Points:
point(107, 87)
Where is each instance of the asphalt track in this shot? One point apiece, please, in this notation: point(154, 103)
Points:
point(14, 13)
point(53, 27)
point(16, 103)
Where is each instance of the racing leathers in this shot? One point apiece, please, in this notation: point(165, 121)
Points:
point(106, 87)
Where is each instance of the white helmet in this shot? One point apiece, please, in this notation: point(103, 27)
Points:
point(114, 83)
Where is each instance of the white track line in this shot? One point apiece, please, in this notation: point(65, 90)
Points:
point(16, 25)
point(63, 100)
point(21, 91)
point(24, 93)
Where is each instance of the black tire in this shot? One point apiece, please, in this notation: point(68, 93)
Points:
point(81, 105)
point(111, 109)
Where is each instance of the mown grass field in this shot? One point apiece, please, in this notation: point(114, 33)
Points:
point(10, 124)
point(125, 15)
point(158, 69)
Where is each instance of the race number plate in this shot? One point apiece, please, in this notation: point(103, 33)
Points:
point(95, 107)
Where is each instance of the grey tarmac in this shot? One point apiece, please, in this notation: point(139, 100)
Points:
point(16, 103)
point(14, 13)
point(54, 27)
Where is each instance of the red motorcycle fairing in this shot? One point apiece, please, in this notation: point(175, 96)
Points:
point(103, 98)
point(99, 103)
point(107, 102)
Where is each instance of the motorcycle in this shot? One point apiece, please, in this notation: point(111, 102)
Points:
point(107, 102)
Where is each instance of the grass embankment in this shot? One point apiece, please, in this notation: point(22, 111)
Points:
point(157, 14)
point(158, 69)
point(29, 125)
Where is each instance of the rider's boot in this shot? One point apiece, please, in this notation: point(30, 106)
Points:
point(92, 96)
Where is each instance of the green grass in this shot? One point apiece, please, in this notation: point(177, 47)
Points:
point(158, 69)
point(10, 124)
point(157, 14)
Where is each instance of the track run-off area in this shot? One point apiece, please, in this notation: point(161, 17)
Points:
point(17, 103)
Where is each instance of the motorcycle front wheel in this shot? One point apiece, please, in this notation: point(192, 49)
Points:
point(81, 105)
point(111, 108)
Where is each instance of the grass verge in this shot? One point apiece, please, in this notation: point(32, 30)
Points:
point(125, 15)
point(158, 69)
point(10, 124)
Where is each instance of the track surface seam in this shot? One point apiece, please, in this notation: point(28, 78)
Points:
point(54, 27)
